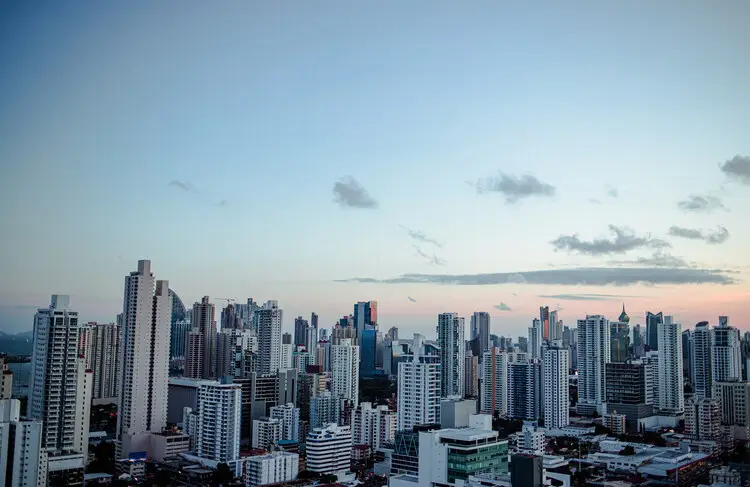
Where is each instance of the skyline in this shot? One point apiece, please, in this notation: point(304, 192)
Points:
point(271, 151)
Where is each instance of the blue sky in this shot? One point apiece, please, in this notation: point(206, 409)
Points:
point(254, 110)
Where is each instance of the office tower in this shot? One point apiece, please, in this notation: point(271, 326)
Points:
point(746, 355)
point(345, 370)
point(104, 356)
point(267, 321)
point(687, 356)
point(329, 449)
point(524, 389)
point(23, 462)
point(639, 349)
point(471, 385)
point(628, 386)
point(288, 417)
point(480, 328)
point(452, 354)
point(734, 398)
point(703, 419)
point(555, 390)
point(142, 404)
point(374, 426)
point(300, 331)
point(266, 433)
point(620, 337)
point(311, 338)
point(544, 321)
point(193, 354)
point(230, 319)
point(700, 361)
point(204, 321)
point(671, 394)
point(526, 471)
point(272, 468)
point(593, 354)
point(286, 339)
point(418, 388)
point(494, 387)
point(652, 329)
point(6, 380)
point(230, 347)
point(535, 339)
point(310, 384)
point(364, 317)
point(177, 345)
point(555, 327)
point(726, 352)
point(217, 434)
point(368, 349)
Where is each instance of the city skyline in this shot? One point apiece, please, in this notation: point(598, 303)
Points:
point(369, 148)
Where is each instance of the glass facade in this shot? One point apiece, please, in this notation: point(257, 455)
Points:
point(491, 458)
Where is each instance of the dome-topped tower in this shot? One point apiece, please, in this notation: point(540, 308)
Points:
point(624, 318)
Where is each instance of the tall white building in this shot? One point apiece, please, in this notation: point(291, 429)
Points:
point(726, 352)
point(285, 356)
point(671, 393)
point(329, 449)
point(418, 388)
point(593, 353)
point(144, 351)
point(452, 354)
point(104, 359)
point(267, 322)
point(266, 433)
point(345, 370)
point(374, 426)
point(22, 459)
point(494, 386)
point(217, 435)
point(480, 328)
point(272, 468)
point(288, 416)
point(535, 339)
point(703, 419)
point(555, 389)
point(57, 389)
point(84, 390)
point(700, 362)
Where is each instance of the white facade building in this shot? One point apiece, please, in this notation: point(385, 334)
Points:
point(494, 386)
point(374, 426)
point(703, 419)
point(593, 353)
point(104, 359)
point(288, 416)
point(535, 339)
point(285, 356)
point(671, 382)
point(84, 390)
point(272, 468)
point(452, 354)
point(726, 352)
point(345, 370)
point(23, 462)
point(267, 322)
point(266, 433)
point(556, 387)
point(418, 388)
point(144, 351)
point(218, 422)
point(329, 449)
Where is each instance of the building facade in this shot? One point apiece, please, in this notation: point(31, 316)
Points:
point(452, 354)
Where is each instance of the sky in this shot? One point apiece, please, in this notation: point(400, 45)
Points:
point(433, 156)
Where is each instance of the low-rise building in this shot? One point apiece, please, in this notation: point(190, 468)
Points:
point(272, 468)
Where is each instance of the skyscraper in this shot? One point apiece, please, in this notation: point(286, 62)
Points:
point(300, 331)
point(217, 434)
point(639, 349)
point(452, 354)
point(480, 328)
point(671, 394)
point(365, 316)
point(418, 388)
point(593, 354)
point(726, 352)
point(652, 329)
point(535, 339)
point(374, 426)
point(700, 361)
point(267, 322)
point(345, 370)
point(104, 359)
point(524, 389)
point(555, 389)
point(494, 386)
point(204, 320)
point(142, 404)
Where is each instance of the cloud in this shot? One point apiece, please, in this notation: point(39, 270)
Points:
point(411, 299)
point(657, 259)
point(718, 236)
point(182, 185)
point(585, 297)
point(701, 203)
point(189, 187)
point(737, 168)
point(514, 188)
point(503, 307)
point(588, 276)
point(421, 237)
point(612, 192)
point(625, 240)
point(348, 193)
point(432, 259)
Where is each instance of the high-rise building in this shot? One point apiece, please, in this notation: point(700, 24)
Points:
point(230, 318)
point(494, 386)
point(368, 352)
point(700, 360)
point(703, 419)
point(734, 398)
point(23, 461)
point(300, 331)
point(267, 321)
point(471, 386)
point(217, 421)
point(418, 388)
point(452, 354)
point(653, 321)
point(288, 417)
point(142, 404)
point(671, 394)
point(204, 320)
point(104, 361)
point(329, 449)
point(345, 370)
point(593, 355)
point(311, 340)
point(324, 408)
point(272, 468)
point(365, 317)
point(285, 356)
point(480, 328)
point(193, 354)
point(374, 426)
point(639, 349)
point(620, 337)
point(231, 344)
point(524, 389)
point(555, 389)
point(628, 391)
point(687, 355)
point(726, 352)
point(535, 339)
point(544, 320)
point(266, 433)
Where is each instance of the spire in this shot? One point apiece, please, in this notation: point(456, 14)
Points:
point(624, 318)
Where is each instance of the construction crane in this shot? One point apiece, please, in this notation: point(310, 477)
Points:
point(228, 300)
